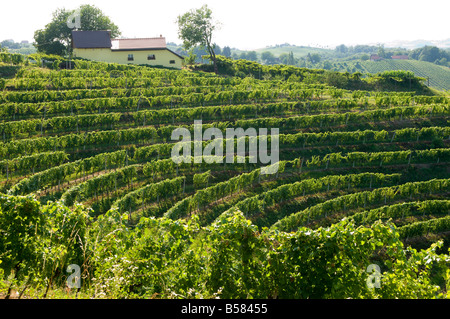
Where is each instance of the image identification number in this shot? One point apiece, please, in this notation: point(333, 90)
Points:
point(246, 308)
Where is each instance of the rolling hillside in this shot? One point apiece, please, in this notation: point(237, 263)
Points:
point(438, 76)
point(298, 51)
point(92, 178)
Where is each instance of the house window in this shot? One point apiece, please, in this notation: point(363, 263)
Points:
point(151, 57)
point(172, 62)
point(130, 57)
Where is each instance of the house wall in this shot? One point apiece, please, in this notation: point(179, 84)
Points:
point(162, 57)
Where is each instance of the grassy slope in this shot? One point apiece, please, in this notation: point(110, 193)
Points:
point(298, 51)
point(439, 76)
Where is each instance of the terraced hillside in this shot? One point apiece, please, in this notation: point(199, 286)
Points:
point(88, 179)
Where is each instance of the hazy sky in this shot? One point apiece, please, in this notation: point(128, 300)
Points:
point(250, 24)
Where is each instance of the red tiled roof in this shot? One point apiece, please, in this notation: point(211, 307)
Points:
point(139, 43)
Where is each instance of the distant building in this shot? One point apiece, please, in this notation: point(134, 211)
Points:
point(375, 57)
point(399, 57)
point(98, 46)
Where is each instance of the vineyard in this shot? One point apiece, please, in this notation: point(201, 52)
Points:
point(88, 178)
point(436, 76)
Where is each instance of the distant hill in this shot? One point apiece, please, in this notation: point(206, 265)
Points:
point(276, 50)
point(298, 51)
point(438, 77)
point(443, 44)
point(23, 47)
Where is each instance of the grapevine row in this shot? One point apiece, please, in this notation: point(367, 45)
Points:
point(360, 199)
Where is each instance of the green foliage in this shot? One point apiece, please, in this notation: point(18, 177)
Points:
point(21, 222)
point(430, 54)
point(232, 258)
point(196, 28)
point(361, 181)
point(201, 180)
point(436, 76)
point(13, 58)
point(55, 37)
point(38, 241)
point(358, 199)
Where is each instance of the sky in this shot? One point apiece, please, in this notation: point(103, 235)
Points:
point(250, 24)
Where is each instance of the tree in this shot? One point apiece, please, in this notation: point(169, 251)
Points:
point(287, 58)
point(341, 49)
point(55, 37)
point(243, 55)
point(268, 58)
point(252, 56)
point(291, 59)
point(327, 65)
point(313, 58)
point(381, 52)
point(442, 61)
point(217, 50)
point(190, 60)
point(365, 57)
point(226, 52)
point(249, 55)
point(196, 27)
point(10, 44)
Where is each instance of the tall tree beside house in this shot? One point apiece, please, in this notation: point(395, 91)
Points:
point(196, 27)
point(55, 37)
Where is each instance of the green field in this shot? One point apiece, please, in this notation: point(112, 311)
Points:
point(88, 178)
point(436, 76)
point(298, 51)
